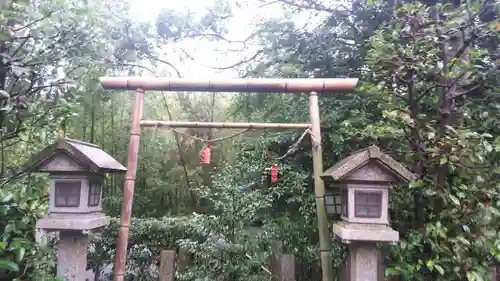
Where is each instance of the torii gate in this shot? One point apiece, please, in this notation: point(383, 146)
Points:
point(312, 86)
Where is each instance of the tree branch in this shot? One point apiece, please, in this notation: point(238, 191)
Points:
point(229, 66)
point(310, 5)
point(165, 62)
point(33, 22)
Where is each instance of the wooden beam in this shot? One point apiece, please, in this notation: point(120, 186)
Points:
point(262, 85)
point(223, 125)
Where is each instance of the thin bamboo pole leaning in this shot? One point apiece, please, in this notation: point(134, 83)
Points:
point(234, 85)
point(319, 188)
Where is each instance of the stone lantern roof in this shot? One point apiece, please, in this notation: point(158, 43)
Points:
point(74, 156)
point(390, 170)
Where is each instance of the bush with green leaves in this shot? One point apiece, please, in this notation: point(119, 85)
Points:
point(21, 257)
point(230, 249)
point(147, 238)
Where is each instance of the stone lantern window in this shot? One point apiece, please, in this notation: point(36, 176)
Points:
point(67, 193)
point(95, 193)
point(368, 204)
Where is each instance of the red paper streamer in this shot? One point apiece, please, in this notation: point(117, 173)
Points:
point(206, 155)
point(274, 173)
point(487, 203)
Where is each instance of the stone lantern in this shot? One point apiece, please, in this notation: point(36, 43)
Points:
point(365, 178)
point(77, 171)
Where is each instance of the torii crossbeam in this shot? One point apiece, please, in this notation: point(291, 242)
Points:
point(312, 86)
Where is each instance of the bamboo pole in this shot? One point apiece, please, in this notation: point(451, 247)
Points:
point(319, 189)
point(128, 187)
point(261, 85)
point(223, 125)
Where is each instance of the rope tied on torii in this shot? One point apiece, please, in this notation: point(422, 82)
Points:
point(206, 151)
point(291, 150)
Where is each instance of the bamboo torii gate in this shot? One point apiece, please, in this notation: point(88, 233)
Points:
point(296, 86)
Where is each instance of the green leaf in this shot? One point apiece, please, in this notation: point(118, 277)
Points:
point(439, 269)
point(5, 197)
point(464, 241)
point(20, 253)
point(454, 199)
point(430, 265)
point(466, 228)
point(9, 265)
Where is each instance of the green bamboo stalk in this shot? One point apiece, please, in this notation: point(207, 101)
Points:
point(319, 189)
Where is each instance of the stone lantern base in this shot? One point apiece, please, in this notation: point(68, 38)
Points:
point(363, 255)
point(73, 241)
point(51, 223)
point(376, 233)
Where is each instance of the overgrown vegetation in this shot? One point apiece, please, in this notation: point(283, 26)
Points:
point(428, 94)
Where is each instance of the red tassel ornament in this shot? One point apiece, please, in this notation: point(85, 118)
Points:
point(206, 154)
point(274, 173)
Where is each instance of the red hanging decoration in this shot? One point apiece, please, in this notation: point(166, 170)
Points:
point(487, 203)
point(206, 154)
point(274, 173)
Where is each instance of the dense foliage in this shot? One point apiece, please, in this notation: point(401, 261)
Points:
point(428, 94)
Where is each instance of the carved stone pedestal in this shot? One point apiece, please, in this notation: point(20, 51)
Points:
point(363, 260)
point(72, 255)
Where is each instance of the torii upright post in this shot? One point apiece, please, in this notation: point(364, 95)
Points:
point(319, 188)
point(312, 86)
